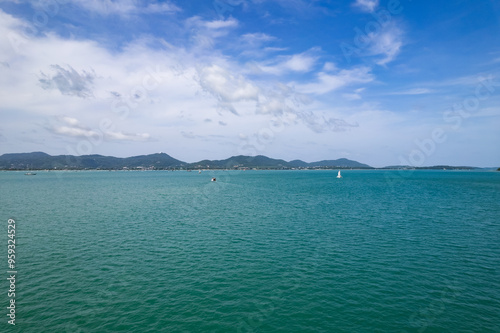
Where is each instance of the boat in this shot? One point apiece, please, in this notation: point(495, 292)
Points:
point(29, 173)
point(339, 175)
point(213, 179)
point(199, 171)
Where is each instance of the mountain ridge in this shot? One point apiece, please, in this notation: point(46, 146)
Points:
point(163, 161)
point(158, 161)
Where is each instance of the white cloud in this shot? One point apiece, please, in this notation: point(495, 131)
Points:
point(326, 82)
point(280, 100)
point(414, 91)
point(275, 49)
point(138, 137)
point(226, 87)
point(198, 22)
point(387, 42)
point(489, 79)
point(383, 42)
point(351, 96)
point(71, 121)
point(108, 7)
point(329, 67)
point(204, 34)
point(125, 7)
point(257, 38)
point(221, 24)
point(322, 123)
point(354, 96)
point(72, 127)
point(366, 5)
point(302, 63)
point(72, 131)
point(159, 8)
point(253, 45)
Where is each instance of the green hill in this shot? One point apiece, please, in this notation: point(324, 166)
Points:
point(241, 161)
point(340, 163)
point(40, 161)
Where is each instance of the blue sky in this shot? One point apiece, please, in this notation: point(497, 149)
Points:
point(381, 82)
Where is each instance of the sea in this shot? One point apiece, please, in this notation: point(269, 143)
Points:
point(254, 251)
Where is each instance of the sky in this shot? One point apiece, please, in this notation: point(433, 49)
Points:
point(382, 82)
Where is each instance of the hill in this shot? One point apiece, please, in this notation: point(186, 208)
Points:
point(41, 161)
point(341, 163)
point(241, 161)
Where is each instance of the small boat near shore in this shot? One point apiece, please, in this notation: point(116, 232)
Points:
point(30, 174)
point(213, 179)
point(339, 175)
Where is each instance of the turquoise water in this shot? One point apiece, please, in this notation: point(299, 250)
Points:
point(256, 251)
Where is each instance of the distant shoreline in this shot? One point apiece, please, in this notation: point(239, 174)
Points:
point(437, 168)
point(39, 161)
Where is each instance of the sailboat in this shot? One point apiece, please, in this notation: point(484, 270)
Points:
point(339, 175)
